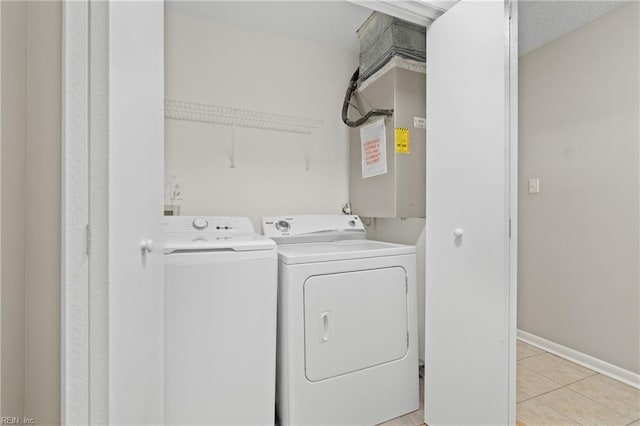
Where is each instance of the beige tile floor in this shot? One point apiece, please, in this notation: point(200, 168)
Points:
point(553, 391)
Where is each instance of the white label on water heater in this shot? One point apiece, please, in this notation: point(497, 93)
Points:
point(419, 122)
point(374, 149)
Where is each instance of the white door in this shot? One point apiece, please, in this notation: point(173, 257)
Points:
point(136, 150)
point(469, 295)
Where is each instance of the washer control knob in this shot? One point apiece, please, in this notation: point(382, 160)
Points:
point(283, 225)
point(200, 223)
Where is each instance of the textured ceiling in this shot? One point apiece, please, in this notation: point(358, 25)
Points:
point(541, 22)
point(335, 22)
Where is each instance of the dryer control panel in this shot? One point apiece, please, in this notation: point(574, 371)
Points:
point(313, 228)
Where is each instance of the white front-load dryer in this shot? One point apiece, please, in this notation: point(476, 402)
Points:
point(347, 323)
point(220, 322)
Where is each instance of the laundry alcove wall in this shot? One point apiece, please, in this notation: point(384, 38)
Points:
point(236, 66)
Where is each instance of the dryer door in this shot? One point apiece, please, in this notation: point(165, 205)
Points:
point(354, 320)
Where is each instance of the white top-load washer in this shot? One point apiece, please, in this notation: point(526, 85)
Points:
point(220, 322)
point(347, 323)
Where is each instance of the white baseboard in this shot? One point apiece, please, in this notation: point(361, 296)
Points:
point(595, 364)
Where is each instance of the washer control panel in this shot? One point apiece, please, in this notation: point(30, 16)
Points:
point(200, 223)
point(227, 225)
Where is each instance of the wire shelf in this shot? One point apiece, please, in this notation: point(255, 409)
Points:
point(203, 113)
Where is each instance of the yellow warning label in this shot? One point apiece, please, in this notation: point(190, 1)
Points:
point(403, 143)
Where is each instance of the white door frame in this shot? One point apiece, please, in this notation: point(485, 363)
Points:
point(84, 295)
point(511, 53)
point(75, 217)
point(84, 280)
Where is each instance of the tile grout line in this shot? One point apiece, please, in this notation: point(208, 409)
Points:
point(543, 376)
point(579, 394)
point(528, 356)
point(561, 386)
point(584, 378)
point(580, 367)
point(561, 413)
point(597, 402)
point(535, 349)
point(601, 404)
point(568, 366)
point(555, 381)
point(567, 386)
point(542, 394)
point(551, 408)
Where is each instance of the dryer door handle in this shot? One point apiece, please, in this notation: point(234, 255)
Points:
point(325, 327)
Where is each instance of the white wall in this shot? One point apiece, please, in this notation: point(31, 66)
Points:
point(14, 142)
point(43, 186)
point(579, 250)
point(228, 66)
point(30, 192)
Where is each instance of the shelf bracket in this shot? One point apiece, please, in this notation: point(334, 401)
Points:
point(232, 158)
point(307, 153)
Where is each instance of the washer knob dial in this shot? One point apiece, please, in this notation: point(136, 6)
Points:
point(283, 225)
point(200, 223)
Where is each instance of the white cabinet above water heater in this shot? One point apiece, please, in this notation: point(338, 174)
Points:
point(401, 190)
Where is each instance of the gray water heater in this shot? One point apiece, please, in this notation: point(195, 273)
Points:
point(401, 191)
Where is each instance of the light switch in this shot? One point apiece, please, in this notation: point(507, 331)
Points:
point(534, 186)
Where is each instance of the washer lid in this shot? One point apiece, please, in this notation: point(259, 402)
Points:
point(292, 254)
point(210, 241)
